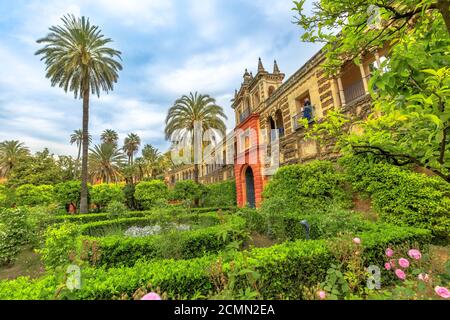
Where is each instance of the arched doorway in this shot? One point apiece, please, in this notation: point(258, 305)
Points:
point(250, 187)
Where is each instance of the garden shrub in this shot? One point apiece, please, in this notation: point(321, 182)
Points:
point(14, 232)
point(221, 194)
point(61, 245)
point(151, 194)
point(116, 209)
point(402, 197)
point(104, 194)
point(283, 270)
point(68, 193)
point(5, 196)
point(128, 192)
point(120, 250)
point(30, 195)
point(304, 188)
point(187, 190)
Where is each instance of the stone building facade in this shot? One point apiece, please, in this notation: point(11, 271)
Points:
point(267, 108)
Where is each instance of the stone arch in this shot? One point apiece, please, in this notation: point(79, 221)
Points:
point(279, 122)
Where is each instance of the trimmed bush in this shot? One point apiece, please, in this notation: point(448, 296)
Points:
point(4, 195)
point(307, 188)
point(151, 194)
point(402, 197)
point(68, 193)
point(221, 194)
point(120, 250)
point(30, 195)
point(282, 269)
point(14, 232)
point(104, 194)
point(187, 190)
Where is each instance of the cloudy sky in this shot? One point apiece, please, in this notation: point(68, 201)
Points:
point(169, 48)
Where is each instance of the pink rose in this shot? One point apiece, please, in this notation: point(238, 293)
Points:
point(389, 252)
point(322, 295)
point(387, 266)
point(151, 296)
point(400, 274)
point(442, 292)
point(424, 277)
point(404, 263)
point(357, 240)
point(415, 254)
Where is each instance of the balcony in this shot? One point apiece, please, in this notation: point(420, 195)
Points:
point(354, 91)
point(296, 126)
point(244, 116)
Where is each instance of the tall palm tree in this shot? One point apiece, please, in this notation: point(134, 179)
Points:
point(77, 138)
point(131, 145)
point(188, 110)
point(78, 59)
point(150, 157)
point(105, 161)
point(110, 136)
point(10, 153)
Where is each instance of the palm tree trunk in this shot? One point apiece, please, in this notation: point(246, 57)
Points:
point(77, 166)
point(84, 166)
point(197, 200)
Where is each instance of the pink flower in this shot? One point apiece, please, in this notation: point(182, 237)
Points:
point(357, 240)
point(404, 263)
point(424, 277)
point(151, 296)
point(322, 295)
point(415, 254)
point(442, 292)
point(387, 266)
point(400, 274)
point(389, 252)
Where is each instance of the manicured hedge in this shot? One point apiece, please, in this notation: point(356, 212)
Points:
point(30, 195)
point(402, 197)
point(119, 250)
point(307, 187)
point(151, 194)
point(221, 194)
point(104, 194)
point(283, 270)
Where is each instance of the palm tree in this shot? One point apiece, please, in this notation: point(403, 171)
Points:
point(77, 138)
point(110, 136)
point(131, 145)
point(188, 110)
point(150, 157)
point(105, 161)
point(10, 153)
point(78, 59)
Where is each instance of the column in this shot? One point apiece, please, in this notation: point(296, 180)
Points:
point(341, 91)
point(364, 77)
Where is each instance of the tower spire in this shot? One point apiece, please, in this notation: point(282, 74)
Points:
point(276, 70)
point(260, 66)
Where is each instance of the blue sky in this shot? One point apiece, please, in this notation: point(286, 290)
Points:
point(169, 48)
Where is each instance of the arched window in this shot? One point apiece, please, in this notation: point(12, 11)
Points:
point(270, 126)
point(279, 122)
point(271, 90)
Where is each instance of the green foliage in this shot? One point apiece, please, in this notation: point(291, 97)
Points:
point(151, 194)
point(221, 194)
point(128, 192)
point(6, 196)
point(104, 194)
point(60, 245)
point(402, 197)
point(187, 190)
point(30, 195)
point(306, 188)
point(68, 193)
point(14, 232)
point(283, 270)
point(116, 209)
point(39, 169)
point(120, 250)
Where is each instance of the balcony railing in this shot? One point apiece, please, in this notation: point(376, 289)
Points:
point(244, 116)
point(354, 91)
point(299, 116)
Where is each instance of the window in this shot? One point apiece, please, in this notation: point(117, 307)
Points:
point(271, 90)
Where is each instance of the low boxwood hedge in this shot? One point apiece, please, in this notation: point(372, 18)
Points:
point(283, 269)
